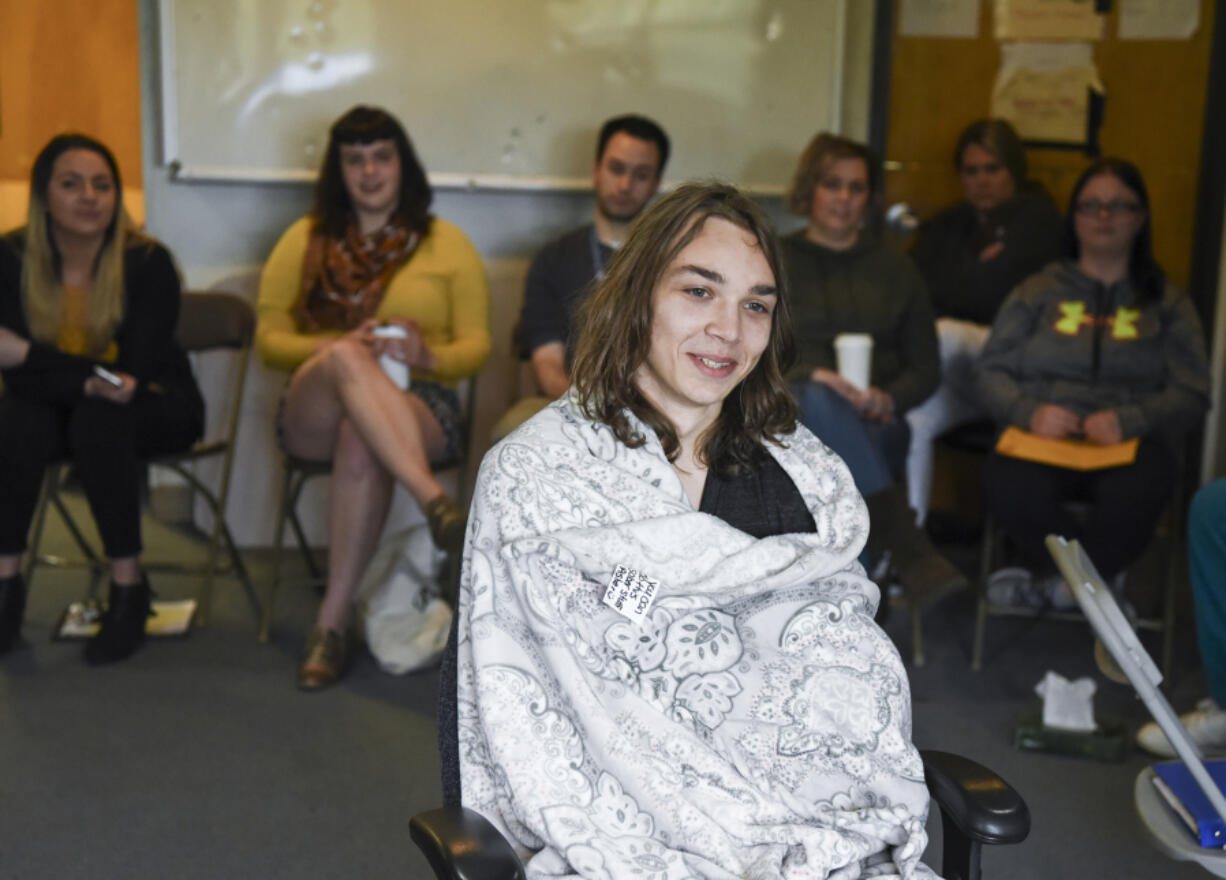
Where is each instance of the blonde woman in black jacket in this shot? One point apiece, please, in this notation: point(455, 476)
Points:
point(81, 292)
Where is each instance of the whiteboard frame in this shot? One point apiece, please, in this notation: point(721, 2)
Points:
point(177, 172)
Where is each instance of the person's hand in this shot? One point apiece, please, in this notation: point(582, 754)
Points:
point(411, 349)
point(1050, 420)
point(878, 405)
point(363, 333)
point(991, 252)
point(13, 349)
point(845, 389)
point(96, 386)
point(1103, 427)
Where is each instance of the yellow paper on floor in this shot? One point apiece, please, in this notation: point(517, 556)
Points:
point(1080, 455)
point(80, 620)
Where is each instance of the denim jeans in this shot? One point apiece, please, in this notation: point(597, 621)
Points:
point(874, 452)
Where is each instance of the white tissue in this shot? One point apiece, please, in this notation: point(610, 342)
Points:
point(1068, 705)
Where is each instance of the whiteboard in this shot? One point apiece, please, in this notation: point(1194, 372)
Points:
point(499, 93)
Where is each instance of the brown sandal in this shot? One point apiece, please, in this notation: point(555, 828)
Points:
point(448, 522)
point(323, 659)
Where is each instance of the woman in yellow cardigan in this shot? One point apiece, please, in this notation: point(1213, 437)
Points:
point(370, 261)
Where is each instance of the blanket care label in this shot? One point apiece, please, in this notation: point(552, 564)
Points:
point(630, 593)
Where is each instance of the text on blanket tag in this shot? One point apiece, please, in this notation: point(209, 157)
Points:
point(630, 593)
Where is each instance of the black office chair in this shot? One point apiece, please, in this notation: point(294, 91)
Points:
point(977, 808)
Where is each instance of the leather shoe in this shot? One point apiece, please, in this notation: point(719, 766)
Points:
point(324, 658)
point(448, 522)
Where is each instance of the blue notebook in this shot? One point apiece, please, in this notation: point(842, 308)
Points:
point(1183, 794)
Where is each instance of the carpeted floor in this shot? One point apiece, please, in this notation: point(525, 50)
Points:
point(198, 758)
point(1083, 822)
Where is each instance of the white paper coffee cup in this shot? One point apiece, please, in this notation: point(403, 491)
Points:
point(854, 352)
point(397, 371)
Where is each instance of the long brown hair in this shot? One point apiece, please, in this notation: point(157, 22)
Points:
point(614, 333)
point(42, 291)
point(1143, 268)
point(333, 209)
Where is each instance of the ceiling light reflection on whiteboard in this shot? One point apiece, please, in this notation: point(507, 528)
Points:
point(319, 74)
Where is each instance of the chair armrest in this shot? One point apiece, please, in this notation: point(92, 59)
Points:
point(461, 844)
point(975, 800)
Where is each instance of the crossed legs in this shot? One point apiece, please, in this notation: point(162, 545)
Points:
point(341, 405)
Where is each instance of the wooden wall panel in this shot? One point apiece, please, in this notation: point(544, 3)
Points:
point(69, 65)
point(1154, 117)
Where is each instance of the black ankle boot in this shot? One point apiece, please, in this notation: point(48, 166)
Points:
point(123, 623)
point(12, 608)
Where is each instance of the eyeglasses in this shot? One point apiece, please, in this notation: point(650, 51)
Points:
point(1093, 207)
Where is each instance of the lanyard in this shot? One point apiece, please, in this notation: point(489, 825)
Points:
point(597, 254)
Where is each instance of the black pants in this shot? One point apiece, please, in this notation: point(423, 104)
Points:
point(1028, 500)
point(106, 442)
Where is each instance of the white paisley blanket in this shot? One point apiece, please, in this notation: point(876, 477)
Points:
point(756, 724)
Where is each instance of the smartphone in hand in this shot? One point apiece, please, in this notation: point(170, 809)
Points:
point(107, 376)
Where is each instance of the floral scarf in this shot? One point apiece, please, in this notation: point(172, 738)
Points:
point(344, 279)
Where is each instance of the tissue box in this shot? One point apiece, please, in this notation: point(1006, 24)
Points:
point(1108, 743)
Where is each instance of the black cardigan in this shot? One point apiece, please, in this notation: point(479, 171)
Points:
point(145, 338)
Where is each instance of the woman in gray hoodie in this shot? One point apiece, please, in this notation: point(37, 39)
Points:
point(1098, 346)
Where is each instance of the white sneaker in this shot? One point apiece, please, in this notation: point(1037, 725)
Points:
point(1206, 726)
point(1007, 586)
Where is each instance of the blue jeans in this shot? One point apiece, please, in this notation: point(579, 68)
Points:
point(874, 452)
point(1207, 568)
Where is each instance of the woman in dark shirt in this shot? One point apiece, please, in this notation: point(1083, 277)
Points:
point(88, 308)
point(971, 255)
point(845, 280)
